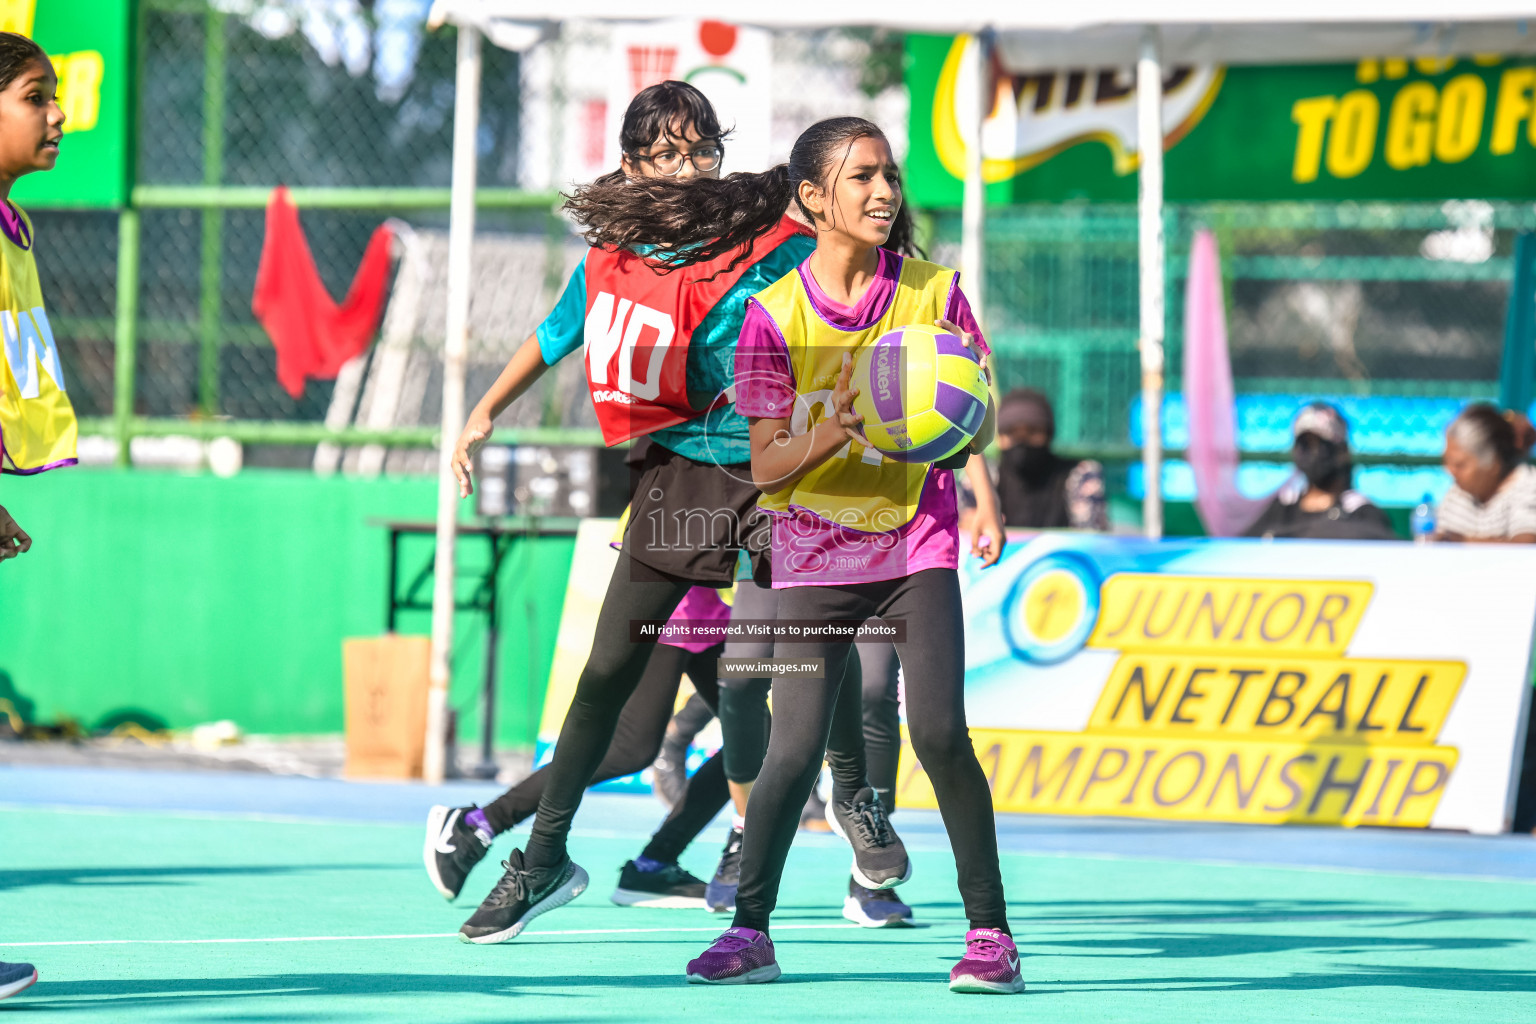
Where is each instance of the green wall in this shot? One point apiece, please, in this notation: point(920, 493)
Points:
point(195, 598)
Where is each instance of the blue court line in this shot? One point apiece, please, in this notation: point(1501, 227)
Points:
point(1376, 850)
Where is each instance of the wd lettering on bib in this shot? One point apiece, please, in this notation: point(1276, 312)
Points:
point(640, 319)
point(632, 337)
point(30, 351)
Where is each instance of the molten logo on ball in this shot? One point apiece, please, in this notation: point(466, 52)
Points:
point(922, 393)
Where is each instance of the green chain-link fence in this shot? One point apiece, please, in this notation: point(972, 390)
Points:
point(1395, 311)
point(1375, 303)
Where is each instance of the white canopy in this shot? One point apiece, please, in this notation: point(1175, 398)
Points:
point(1097, 31)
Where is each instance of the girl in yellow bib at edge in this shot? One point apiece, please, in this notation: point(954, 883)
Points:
point(854, 536)
point(37, 423)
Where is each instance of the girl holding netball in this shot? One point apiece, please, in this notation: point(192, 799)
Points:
point(793, 360)
point(658, 335)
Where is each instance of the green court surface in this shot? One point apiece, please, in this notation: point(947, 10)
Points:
point(148, 915)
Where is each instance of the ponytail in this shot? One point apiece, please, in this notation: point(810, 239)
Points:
point(701, 219)
point(725, 214)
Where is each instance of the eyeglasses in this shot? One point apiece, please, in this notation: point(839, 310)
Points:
point(669, 162)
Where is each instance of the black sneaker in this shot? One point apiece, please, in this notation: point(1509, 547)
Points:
point(879, 857)
point(453, 847)
point(872, 908)
point(522, 895)
point(720, 895)
point(15, 977)
point(669, 888)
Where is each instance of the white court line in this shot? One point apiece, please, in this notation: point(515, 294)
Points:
point(265, 817)
point(422, 935)
point(921, 844)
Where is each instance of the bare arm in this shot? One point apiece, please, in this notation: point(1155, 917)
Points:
point(524, 368)
point(987, 524)
point(779, 458)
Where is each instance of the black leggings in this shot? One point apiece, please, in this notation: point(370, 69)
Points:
point(612, 671)
point(878, 667)
point(636, 740)
point(744, 721)
point(810, 714)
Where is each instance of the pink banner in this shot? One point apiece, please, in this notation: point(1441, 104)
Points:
point(1208, 397)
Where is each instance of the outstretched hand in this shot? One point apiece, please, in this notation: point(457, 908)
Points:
point(476, 432)
point(966, 339)
point(843, 394)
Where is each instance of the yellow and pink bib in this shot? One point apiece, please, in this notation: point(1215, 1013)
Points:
point(857, 488)
point(37, 422)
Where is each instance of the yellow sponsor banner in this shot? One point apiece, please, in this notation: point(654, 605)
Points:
point(1141, 775)
point(1153, 612)
point(1337, 700)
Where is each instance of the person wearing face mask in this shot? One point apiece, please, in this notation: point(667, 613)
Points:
point(1036, 487)
point(1320, 504)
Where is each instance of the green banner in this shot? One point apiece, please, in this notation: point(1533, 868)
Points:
point(1384, 129)
point(90, 42)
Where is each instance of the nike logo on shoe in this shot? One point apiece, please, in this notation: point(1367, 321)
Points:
point(443, 843)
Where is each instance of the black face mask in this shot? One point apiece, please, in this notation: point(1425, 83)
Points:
point(1321, 462)
point(1030, 461)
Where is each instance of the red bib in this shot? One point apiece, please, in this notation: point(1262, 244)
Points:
point(639, 322)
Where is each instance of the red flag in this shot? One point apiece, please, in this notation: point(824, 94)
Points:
point(314, 337)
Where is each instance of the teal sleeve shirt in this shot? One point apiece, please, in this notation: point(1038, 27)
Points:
point(718, 436)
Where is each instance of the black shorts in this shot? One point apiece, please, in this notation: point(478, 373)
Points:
point(689, 520)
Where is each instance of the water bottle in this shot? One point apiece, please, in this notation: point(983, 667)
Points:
point(1421, 524)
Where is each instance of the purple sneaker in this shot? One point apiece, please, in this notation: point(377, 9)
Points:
point(741, 956)
point(991, 964)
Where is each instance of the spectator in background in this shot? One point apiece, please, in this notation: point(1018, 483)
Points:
point(1320, 504)
point(1036, 487)
point(1494, 497)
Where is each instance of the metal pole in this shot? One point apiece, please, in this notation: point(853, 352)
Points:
point(461, 234)
point(1149, 143)
point(126, 335)
point(973, 210)
point(215, 51)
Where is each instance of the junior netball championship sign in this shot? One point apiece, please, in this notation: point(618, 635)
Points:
point(1250, 681)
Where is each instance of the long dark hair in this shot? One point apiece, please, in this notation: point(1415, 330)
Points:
point(697, 220)
point(17, 53)
point(658, 112)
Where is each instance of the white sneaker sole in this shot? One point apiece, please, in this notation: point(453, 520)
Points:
point(889, 883)
point(859, 876)
point(636, 898)
point(853, 911)
point(6, 991)
point(436, 818)
point(966, 983)
point(555, 900)
point(768, 972)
